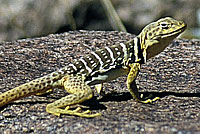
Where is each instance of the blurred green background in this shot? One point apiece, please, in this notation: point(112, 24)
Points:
point(35, 18)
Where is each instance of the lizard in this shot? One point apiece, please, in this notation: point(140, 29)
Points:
point(99, 67)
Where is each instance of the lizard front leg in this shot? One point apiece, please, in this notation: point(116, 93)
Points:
point(131, 84)
point(79, 92)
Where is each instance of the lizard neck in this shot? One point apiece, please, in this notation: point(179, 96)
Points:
point(136, 51)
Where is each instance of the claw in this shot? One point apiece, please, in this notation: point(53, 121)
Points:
point(156, 98)
point(86, 112)
point(67, 107)
point(149, 100)
point(77, 109)
point(90, 115)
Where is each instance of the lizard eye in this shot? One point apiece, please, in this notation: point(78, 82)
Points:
point(164, 25)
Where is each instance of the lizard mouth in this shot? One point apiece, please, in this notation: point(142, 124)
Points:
point(176, 32)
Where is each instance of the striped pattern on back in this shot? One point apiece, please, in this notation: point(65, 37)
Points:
point(105, 59)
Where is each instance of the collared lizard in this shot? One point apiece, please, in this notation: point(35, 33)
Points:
point(101, 66)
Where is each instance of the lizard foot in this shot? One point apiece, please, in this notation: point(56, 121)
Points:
point(76, 112)
point(149, 100)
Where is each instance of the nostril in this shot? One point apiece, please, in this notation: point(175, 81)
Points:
point(181, 23)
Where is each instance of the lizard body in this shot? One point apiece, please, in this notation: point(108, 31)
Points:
point(101, 66)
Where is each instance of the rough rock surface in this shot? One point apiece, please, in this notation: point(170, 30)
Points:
point(174, 75)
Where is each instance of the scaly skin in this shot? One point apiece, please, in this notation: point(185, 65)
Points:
point(99, 67)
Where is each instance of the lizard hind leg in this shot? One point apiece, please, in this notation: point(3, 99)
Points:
point(79, 92)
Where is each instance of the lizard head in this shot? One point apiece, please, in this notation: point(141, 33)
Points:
point(156, 36)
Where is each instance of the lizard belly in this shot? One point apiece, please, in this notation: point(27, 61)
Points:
point(108, 76)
